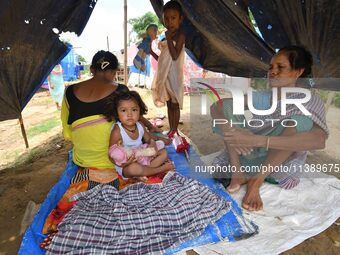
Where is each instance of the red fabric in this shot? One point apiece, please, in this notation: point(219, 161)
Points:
point(180, 143)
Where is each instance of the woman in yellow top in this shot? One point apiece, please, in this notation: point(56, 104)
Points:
point(84, 124)
point(82, 113)
point(89, 131)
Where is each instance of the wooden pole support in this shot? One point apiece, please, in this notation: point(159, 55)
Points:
point(107, 43)
point(23, 131)
point(125, 44)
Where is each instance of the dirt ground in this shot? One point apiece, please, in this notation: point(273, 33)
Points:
point(47, 158)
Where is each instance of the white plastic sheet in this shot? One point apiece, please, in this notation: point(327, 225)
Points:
point(289, 216)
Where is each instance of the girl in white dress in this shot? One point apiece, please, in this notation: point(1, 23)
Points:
point(167, 86)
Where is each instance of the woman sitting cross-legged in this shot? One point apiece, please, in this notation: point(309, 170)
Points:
point(273, 150)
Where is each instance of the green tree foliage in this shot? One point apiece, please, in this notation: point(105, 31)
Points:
point(82, 59)
point(140, 24)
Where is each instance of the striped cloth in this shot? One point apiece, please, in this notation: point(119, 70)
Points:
point(262, 100)
point(140, 219)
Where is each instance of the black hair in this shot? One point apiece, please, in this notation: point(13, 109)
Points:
point(299, 58)
point(152, 25)
point(104, 60)
point(173, 5)
point(122, 93)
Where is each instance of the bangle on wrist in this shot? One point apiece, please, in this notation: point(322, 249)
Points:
point(267, 143)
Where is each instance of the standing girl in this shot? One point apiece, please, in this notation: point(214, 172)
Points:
point(127, 135)
point(167, 86)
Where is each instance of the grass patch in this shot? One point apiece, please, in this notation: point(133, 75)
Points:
point(324, 95)
point(43, 127)
point(7, 156)
point(336, 100)
point(47, 148)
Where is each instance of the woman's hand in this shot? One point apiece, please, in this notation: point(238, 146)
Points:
point(242, 140)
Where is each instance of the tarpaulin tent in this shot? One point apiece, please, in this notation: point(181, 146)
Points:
point(220, 36)
point(30, 45)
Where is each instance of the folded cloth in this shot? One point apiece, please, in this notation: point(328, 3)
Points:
point(84, 179)
point(140, 219)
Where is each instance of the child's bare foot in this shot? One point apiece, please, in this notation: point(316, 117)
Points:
point(171, 133)
point(237, 180)
point(141, 178)
point(167, 166)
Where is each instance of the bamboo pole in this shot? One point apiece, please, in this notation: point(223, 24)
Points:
point(107, 43)
point(125, 42)
point(23, 131)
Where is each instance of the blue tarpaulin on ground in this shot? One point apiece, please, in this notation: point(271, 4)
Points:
point(227, 227)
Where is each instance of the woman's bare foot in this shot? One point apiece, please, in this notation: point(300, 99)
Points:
point(252, 200)
point(237, 180)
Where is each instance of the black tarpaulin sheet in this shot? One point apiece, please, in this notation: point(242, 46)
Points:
point(221, 38)
point(312, 23)
point(29, 48)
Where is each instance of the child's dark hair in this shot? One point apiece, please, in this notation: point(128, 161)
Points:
point(104, 60)
point(152, 25)
point(173, 5)
point(123, 93)
point(299, 58)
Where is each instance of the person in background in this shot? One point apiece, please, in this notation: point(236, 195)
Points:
point(56, 85)
point(145, 48)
